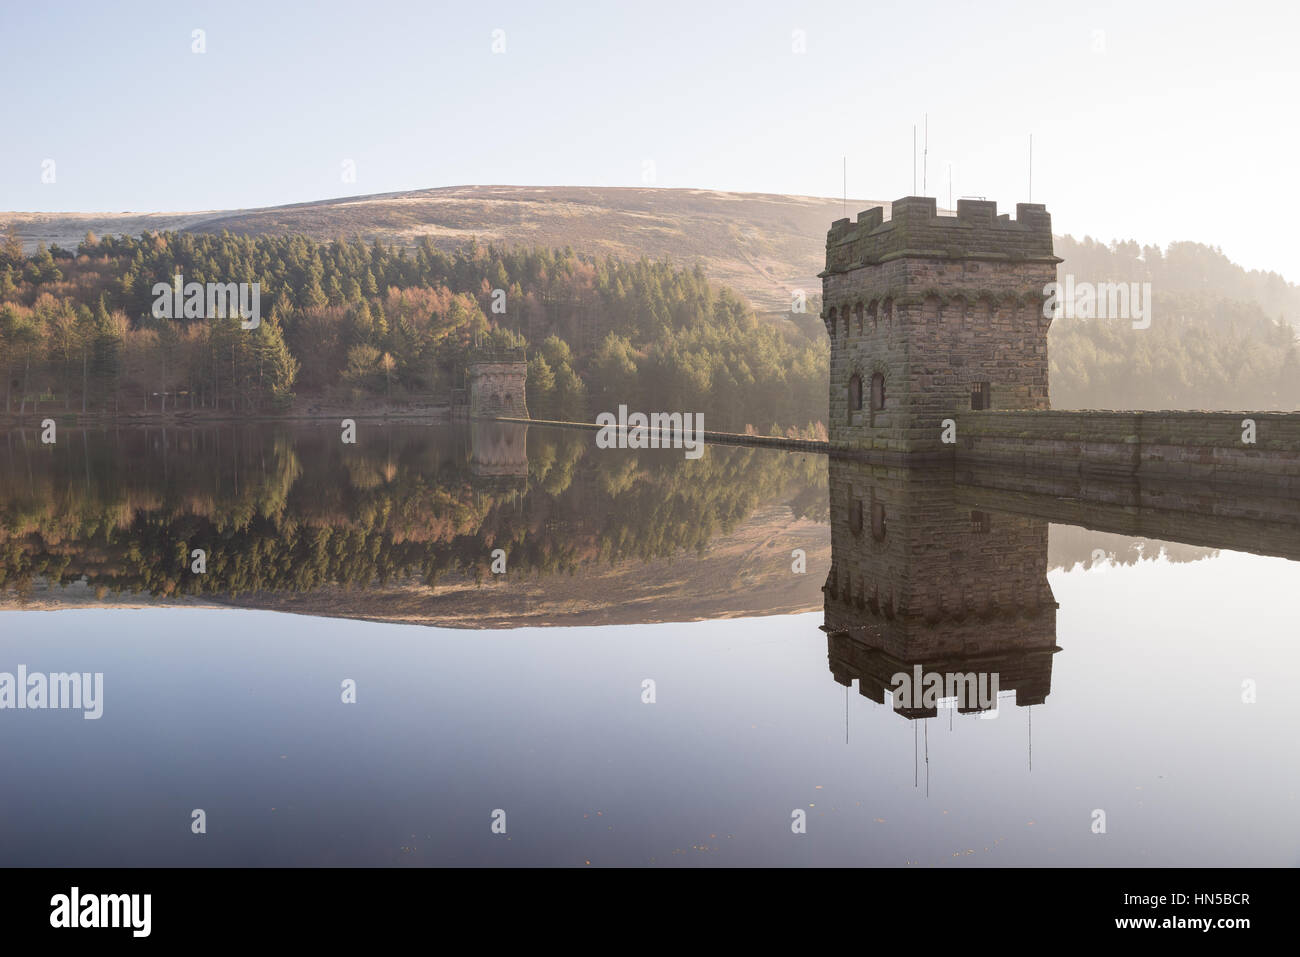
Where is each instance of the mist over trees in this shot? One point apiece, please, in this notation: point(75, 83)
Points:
point(1220, 337)
point(1181, 267)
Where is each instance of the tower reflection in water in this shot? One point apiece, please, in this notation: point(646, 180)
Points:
point(923, 585)
point(499, 451)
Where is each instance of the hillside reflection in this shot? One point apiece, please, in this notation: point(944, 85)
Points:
point(280, 511)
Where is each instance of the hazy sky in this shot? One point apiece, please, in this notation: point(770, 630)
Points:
point(1155, 121)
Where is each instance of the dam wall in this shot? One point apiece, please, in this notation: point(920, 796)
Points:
point(1256, 448)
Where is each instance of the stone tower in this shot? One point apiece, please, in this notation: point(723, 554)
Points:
point(930, 315)
point(497, 383)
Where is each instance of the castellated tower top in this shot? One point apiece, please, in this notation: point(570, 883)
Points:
point(916, 230)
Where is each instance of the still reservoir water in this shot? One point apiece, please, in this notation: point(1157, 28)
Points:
point(1146, 680)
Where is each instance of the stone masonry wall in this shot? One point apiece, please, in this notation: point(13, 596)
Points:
point(498, 388)
point(1188, 446)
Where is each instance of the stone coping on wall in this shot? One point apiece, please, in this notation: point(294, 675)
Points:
point(718, 438)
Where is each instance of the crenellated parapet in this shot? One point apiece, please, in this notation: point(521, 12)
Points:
point(915, 228)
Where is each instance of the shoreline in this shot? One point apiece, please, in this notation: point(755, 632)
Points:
point(434, 415)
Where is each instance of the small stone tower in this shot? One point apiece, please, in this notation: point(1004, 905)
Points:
point(497, 383)
point(931, 315)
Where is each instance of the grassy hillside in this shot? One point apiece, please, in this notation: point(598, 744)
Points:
point(762, 245)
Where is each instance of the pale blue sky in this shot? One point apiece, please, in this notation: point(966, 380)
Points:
point(1177, 121)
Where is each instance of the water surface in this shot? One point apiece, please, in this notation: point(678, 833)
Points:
point(1123, 662)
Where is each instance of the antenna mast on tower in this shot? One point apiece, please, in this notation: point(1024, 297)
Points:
point(925, 158)
point(913, 159)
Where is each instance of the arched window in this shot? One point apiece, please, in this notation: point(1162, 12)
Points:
point(877, 392)
point(855, 393)
point(877, 521)
point(930, 311)
point(855, 517)
point(833, 317)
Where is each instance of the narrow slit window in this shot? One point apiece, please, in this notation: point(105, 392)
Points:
point(877, 392)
